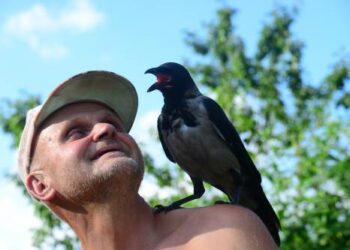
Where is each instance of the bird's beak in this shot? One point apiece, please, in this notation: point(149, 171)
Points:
point(155, 85)
point(151, 71)
point(163, 79)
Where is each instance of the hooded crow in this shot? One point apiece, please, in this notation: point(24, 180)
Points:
point(197, 135)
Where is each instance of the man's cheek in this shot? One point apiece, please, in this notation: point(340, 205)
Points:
point(77, 151)
point(131, 145)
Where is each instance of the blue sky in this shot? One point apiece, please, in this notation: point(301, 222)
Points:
point(42, 43)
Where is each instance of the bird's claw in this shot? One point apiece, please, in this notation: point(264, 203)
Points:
point(159, 209)
point(164, 209)
point(221, 202)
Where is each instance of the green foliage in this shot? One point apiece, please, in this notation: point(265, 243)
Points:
point(12, 116)
point(297, 132)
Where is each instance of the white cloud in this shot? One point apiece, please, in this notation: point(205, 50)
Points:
point(82, 17)
point(35, 25)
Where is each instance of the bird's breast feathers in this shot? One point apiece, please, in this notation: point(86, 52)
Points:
point(193, 140)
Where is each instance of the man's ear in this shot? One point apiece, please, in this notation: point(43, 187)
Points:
point(38, 188)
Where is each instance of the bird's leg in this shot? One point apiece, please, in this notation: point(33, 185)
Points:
point(238, 182)
point(198, 191)
point(234, 197)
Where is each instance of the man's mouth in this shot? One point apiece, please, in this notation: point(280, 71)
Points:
point(104, 150)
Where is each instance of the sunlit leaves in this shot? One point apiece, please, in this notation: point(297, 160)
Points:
point(297, 132)
point(13, 115)
point(301, 128)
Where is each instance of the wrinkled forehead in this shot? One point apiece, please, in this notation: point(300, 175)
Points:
point(79, 109)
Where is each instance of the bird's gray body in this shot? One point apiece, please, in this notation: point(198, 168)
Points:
point(199, 148)
point(196, 133)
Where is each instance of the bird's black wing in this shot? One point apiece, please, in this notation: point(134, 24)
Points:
point(228, 133)
point(165, 148)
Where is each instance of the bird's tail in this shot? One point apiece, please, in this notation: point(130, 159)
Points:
point(255, 199)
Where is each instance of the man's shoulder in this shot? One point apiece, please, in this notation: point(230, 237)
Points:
point(223, 216)
point(220, 227)
point(224, 212)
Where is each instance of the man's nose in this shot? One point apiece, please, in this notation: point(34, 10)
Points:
point(103, 131)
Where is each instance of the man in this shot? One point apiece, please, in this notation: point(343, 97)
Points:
point(77, 158)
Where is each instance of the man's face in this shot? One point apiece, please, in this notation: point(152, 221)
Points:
point(86, 155)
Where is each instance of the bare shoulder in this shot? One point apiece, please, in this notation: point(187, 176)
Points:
point(232, 216)
point(220, 227)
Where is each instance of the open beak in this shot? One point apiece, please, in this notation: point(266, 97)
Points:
point(163, 80)
point(156, 84)
point(153, 87)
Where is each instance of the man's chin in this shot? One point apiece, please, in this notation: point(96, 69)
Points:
point(110, 166)
point(125, 174)
point(115, 178)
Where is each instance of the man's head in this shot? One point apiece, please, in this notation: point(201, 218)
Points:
point(76, 146)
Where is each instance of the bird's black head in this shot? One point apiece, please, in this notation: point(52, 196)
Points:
point(173, 79)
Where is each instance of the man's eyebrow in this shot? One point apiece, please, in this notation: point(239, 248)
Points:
point(72, 120)
point(103, 115)
point(113, 117)
point(111, 114)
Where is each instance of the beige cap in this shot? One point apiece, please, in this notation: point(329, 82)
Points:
point(105, 87)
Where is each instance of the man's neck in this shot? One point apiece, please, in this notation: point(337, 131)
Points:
point(130, 225)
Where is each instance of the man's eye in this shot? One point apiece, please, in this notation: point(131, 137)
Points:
point(76, 133)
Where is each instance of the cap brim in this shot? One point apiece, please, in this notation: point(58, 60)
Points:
point(105, 87)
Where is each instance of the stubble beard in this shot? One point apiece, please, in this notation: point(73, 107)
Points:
point(119, 181)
